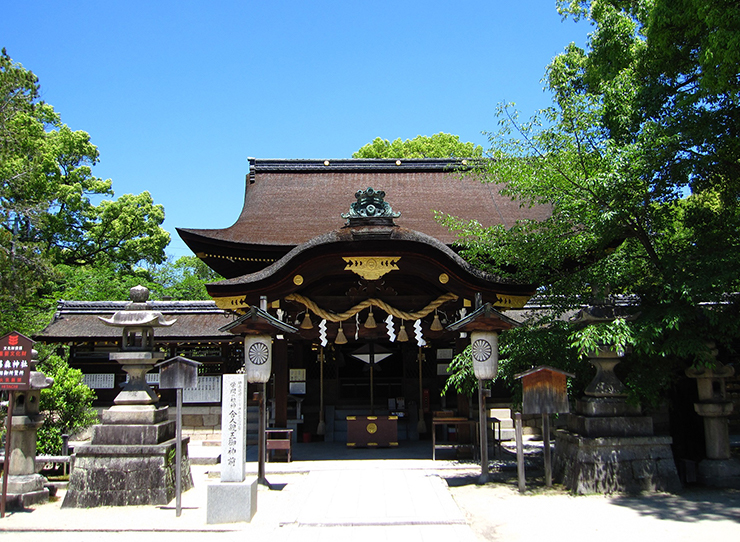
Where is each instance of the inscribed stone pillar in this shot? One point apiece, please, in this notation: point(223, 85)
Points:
point(233, 499)
point(234, 428)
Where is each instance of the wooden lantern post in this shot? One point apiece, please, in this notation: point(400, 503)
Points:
point(484, 325)
point(258, 361)
point(484, 351)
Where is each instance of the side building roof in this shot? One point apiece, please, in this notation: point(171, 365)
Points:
point(79, 321)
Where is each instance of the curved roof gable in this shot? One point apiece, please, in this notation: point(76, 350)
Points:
point(341, 268)
point(288, 202)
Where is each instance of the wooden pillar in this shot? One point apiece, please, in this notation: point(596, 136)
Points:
point(546, 443)
point(518, 432)
point(483, 433)
point(280, 367)
point(262, 436)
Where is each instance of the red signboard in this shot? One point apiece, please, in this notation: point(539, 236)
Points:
point(15, 362)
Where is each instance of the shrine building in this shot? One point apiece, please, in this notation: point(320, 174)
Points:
point(345, 266)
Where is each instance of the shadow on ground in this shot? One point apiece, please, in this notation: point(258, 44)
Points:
point(690, 506)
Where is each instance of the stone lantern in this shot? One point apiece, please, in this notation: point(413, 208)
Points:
point(137, 356)
point(718, 469)
point(131, 458)
point(609, 445)
point(25, 485)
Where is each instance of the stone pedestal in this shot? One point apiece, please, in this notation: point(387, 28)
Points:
point(127, 463)
point(587, 465)
point(609, 417)
point(231, 502)
point(609, 446)
point(25, 490)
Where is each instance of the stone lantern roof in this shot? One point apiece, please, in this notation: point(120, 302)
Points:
point(138, 313)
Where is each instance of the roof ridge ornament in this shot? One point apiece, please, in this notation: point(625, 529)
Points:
point(370, 204)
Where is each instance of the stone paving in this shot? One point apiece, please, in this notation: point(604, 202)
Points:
point(354, 498)
point(366, 504)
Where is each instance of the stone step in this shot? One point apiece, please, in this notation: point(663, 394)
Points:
point(506, 424)
point(500, 413)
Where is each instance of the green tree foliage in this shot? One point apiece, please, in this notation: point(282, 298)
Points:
point(185, 278)
point(67, 404)
point(47, 216)
point(182, 279)
point(519, 350)
point(639, 159)
point(101, 282)
point(439, 145)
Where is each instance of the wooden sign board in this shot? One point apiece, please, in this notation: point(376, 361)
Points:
point(15, 361)
point(178, 373)
point(544, 391)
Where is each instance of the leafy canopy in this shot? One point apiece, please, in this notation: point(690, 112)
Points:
point(639, 159)
point(47, 213)
point(439, 145)
point(67, 404)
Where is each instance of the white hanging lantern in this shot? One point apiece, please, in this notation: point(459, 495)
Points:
point(258, 358)
point(484, 351)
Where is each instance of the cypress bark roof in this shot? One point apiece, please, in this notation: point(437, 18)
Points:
point(288, 202)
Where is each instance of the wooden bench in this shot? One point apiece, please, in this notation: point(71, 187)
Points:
point(279, 439)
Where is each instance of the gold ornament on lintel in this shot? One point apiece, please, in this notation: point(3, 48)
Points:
point(371, 267)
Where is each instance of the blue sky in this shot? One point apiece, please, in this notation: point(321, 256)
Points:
point(177, 94)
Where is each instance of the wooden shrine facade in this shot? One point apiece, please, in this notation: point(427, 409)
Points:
point(319, 247)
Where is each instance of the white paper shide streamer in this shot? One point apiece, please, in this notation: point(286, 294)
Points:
point(390, 328)
point(417, 333)
point(322, 333)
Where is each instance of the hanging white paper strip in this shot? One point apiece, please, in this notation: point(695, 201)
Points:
point(417, 332)
point(390, 328)
point(322, 333)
